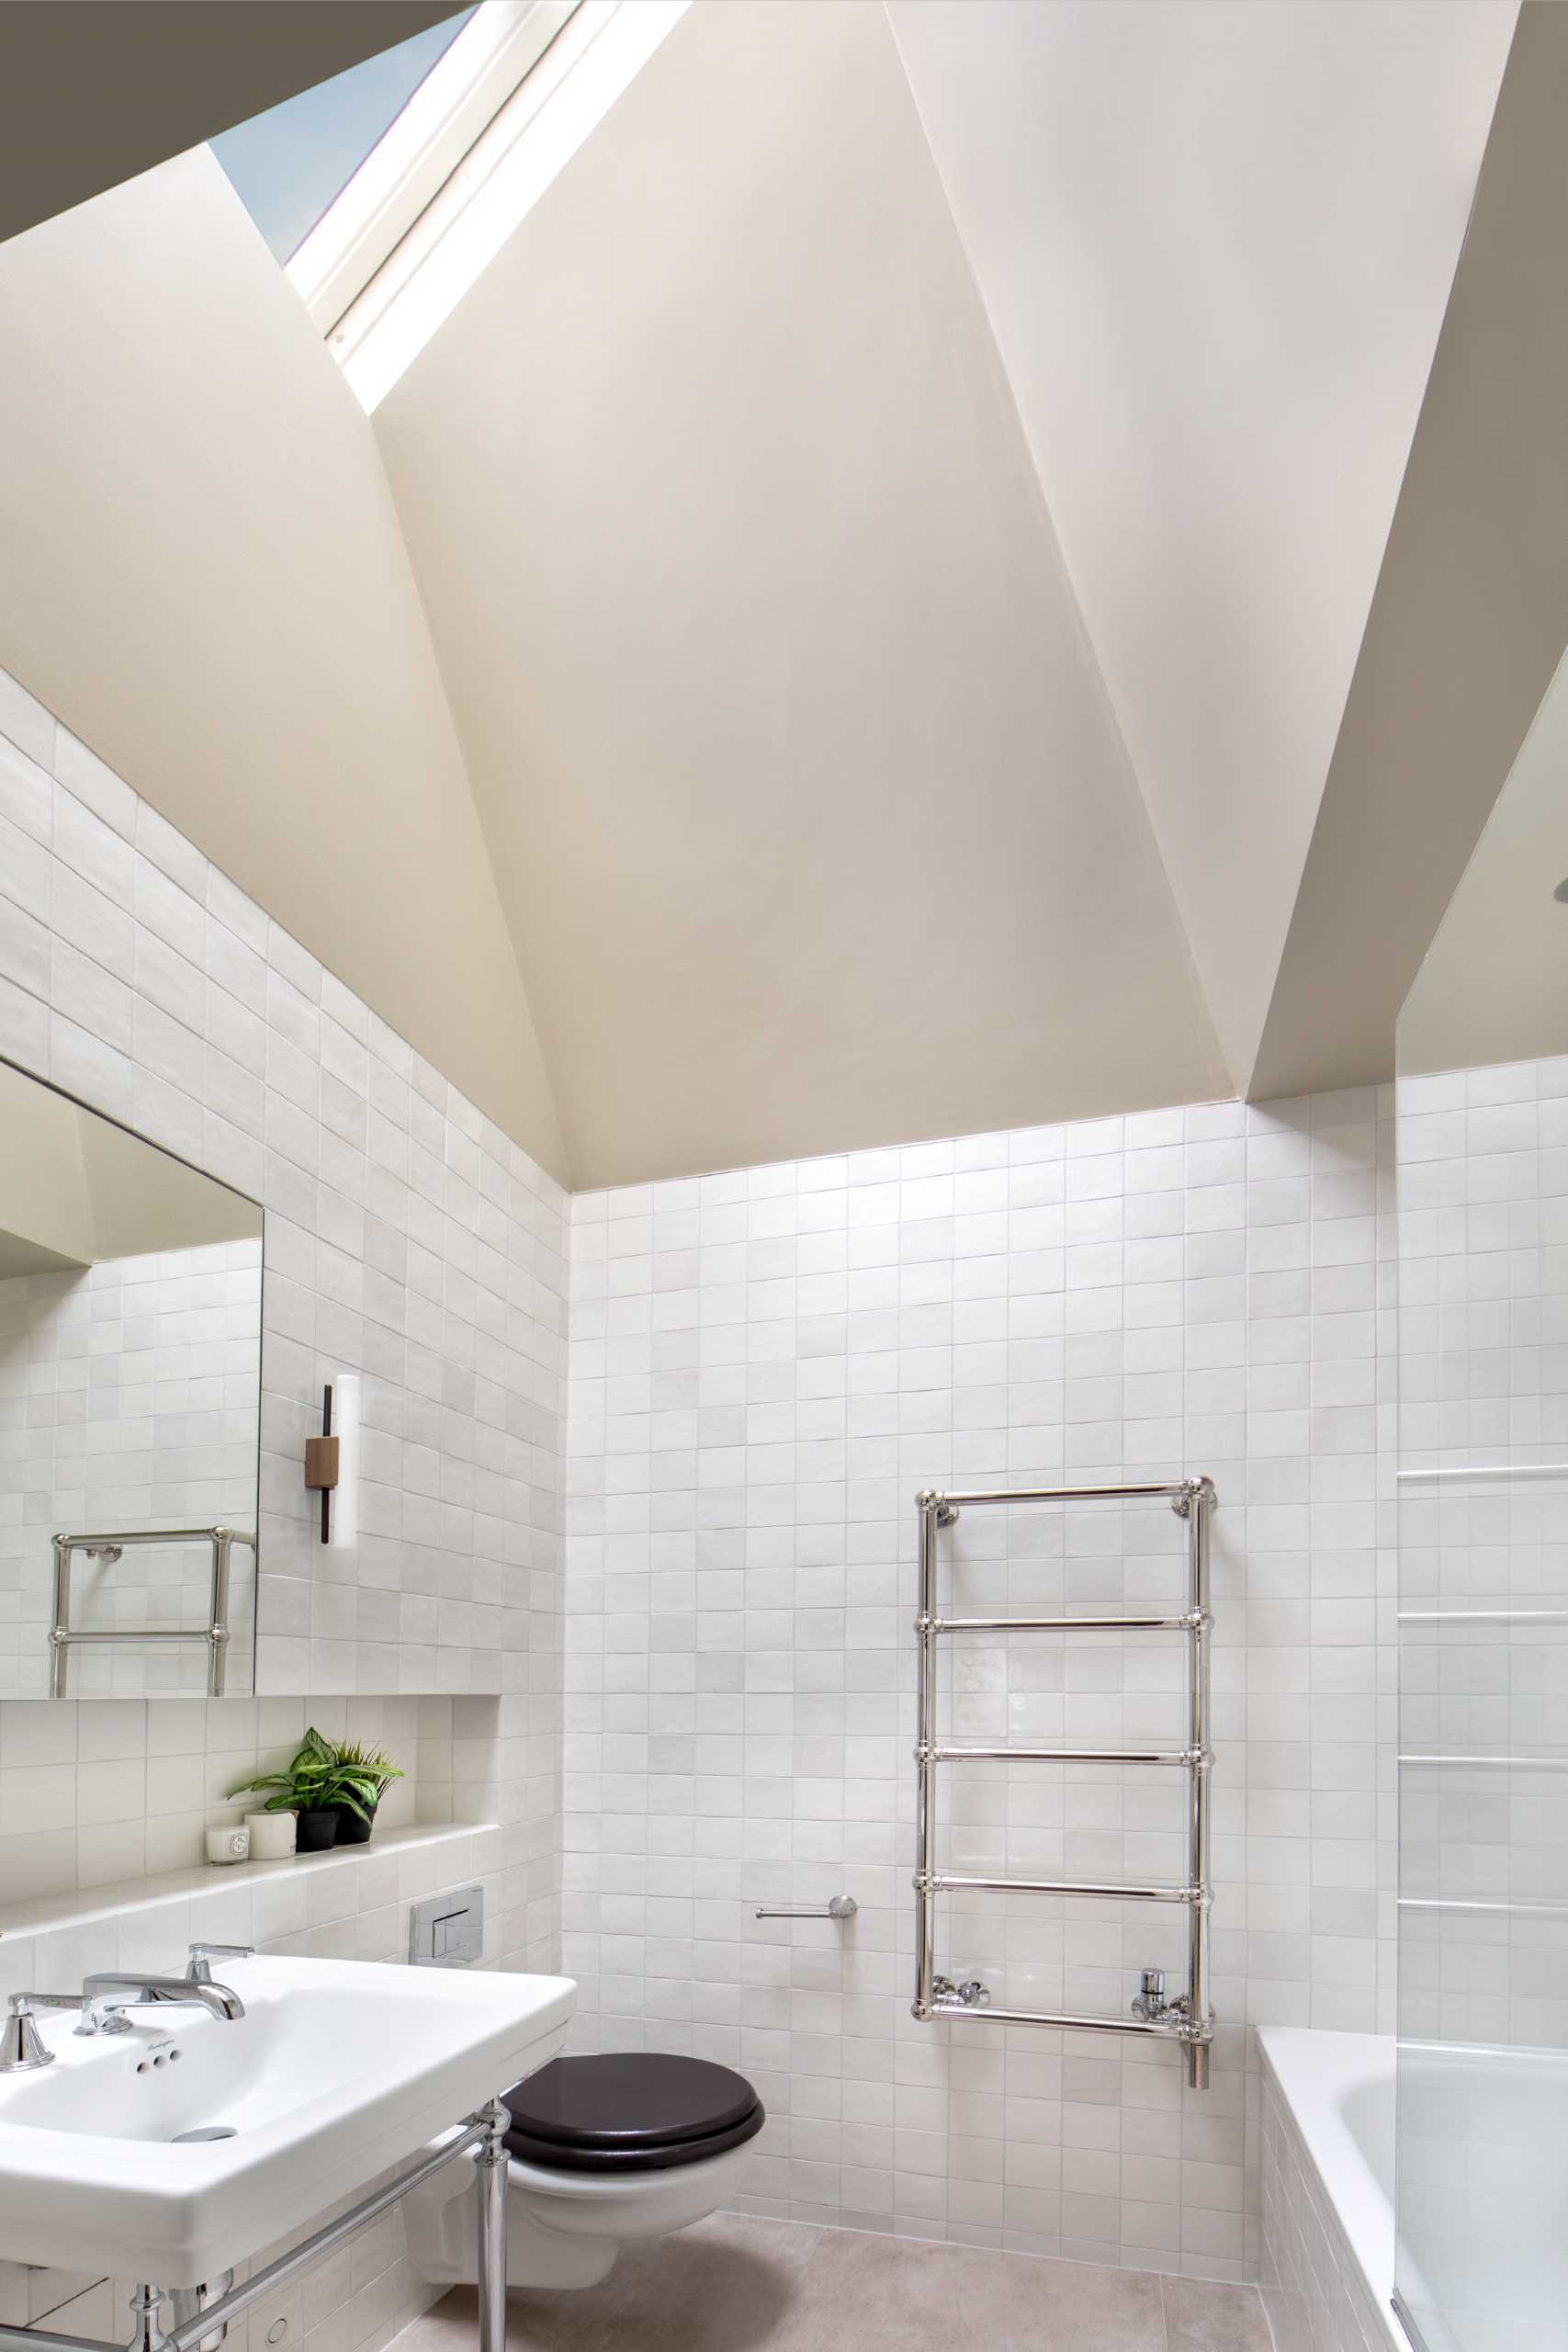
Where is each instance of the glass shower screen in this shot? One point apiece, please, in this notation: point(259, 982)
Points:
point(1482, 2125)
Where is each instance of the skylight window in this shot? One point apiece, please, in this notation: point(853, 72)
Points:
point(289, 164)
point(471, 132)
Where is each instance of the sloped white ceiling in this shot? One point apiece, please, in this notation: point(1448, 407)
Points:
point(1215, 240)
point(1467, 628)
point(1494, 986)
point(805, 798)
point(899, 522)
point(896, 525)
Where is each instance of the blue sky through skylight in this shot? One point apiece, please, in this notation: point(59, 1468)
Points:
point(287, 166)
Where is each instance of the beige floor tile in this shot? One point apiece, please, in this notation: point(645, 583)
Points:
point(1203, 2318)
point(739, 2283)
point(789, 2245)
point(898, 2295)
point(1017, 2303)
point(730, 2284)
point(872, 2294)
point(534, 2323)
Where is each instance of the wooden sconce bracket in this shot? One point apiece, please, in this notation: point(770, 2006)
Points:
point(322, 1461)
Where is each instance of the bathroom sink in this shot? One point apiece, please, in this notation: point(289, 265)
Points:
point(338, 2071)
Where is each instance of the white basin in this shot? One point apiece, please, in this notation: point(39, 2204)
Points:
point(338, 2070)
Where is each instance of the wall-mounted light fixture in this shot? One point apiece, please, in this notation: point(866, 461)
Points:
point(332, 1461)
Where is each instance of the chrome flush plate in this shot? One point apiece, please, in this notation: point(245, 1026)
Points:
point(447, 1930)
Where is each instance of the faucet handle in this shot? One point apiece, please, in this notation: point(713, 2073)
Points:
point(197, 1969)
point(22, 2047)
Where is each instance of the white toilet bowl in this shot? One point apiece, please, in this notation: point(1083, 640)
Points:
point(603, 2150)
point(563, 2229)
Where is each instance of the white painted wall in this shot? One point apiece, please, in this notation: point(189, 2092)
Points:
point(797, 764)
point(205, 582)
point(1215, 242)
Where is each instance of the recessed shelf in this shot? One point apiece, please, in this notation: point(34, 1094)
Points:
point(80, 1906)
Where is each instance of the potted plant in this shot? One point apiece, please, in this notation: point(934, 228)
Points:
point(364, 1776)
point(311, 1788)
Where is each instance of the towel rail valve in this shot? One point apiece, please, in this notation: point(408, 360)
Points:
point(970, 1996)
point(1149, 2001)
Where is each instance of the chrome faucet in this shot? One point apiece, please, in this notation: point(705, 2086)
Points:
point(22, 2047)
point(198, 1970)
point(105, 1998)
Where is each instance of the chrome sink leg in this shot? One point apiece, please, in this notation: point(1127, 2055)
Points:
point(145, 2308)
point(490, 2164)
point(154, 2328)
point(186, 2302)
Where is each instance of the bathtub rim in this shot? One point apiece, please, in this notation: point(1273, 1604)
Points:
point(1312, 2071)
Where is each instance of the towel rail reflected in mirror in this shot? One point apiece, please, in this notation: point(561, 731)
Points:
point(130, 1403)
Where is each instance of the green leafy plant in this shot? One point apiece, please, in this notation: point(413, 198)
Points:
point(370, 1771)
point(316, 1777)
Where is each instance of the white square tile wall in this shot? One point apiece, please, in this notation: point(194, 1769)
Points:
point(766, 1366)
point(406, 1239)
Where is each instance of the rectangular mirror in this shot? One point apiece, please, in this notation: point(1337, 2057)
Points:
point(129, 1411)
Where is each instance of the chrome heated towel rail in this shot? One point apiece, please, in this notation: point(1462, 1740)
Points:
point(1187, 2019)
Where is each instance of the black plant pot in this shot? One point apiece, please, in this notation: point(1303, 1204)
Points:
point(350, 1830)
point(317, 1831)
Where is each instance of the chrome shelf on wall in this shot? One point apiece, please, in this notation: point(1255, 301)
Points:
point(1188, 2018)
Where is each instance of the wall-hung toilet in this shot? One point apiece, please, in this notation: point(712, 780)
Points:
point(602, 2150)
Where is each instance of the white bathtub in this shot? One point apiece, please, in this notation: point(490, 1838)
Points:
point(1328, 2190)
point(1484, 2194)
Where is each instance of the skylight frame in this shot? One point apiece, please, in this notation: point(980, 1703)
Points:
point(589, 60)
point(467, 87)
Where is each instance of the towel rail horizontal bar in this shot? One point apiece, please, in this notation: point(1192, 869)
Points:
point(1182, 1624)
point(1498, 1908)
point(1067, 2021)
point(158, 1535)
point(945, 1882)
point(1486, 1470)
point(1494, 1763)
point(1184, 1758)
point(1482, 1617)
point(62, 1637)
point(1167, 1490)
